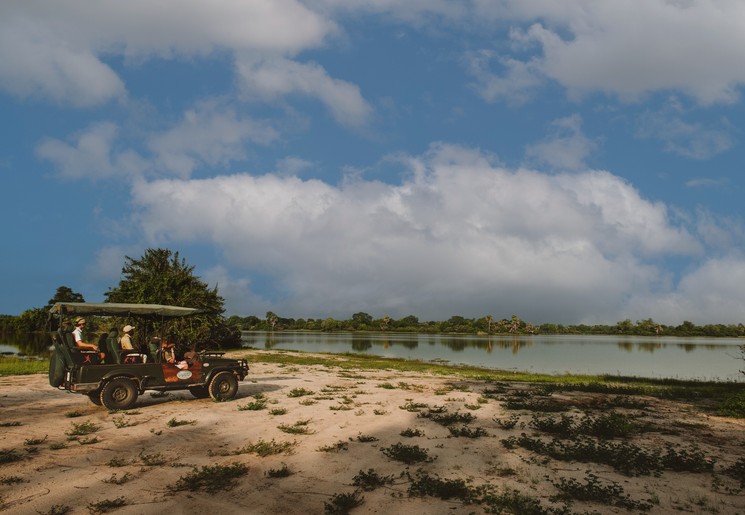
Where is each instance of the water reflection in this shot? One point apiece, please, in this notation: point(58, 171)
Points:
point(642, 356)
point(23, 344)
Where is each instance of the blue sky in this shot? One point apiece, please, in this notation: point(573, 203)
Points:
point(573, 161)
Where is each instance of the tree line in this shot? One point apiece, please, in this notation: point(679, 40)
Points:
point(362, 321)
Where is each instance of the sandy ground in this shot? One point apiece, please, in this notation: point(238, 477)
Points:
point(351, 418)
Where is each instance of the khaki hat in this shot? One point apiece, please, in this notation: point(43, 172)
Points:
point(79, 321)
point(128, 328)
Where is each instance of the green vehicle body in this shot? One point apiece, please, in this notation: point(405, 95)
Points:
point(116, 382)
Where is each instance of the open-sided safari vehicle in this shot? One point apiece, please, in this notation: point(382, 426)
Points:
point(114, 378)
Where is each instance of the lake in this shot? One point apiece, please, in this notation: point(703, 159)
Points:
point(658, 357)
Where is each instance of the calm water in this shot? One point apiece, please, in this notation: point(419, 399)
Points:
point(661, 357)
point(681, 358)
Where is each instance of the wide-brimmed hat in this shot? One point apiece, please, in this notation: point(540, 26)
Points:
point(128, 328)
point(79, 321)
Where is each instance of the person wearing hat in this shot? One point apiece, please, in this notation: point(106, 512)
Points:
point(77, 333)
point(126, 341)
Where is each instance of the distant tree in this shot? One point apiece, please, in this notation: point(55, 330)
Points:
point(162, 277)
point(65, 294)
point(361, 320)
point(271, 319)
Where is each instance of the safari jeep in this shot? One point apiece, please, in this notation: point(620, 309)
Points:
point(114, 379)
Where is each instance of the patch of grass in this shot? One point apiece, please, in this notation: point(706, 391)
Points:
point(412, 406)
point(176, 423)
point(508, 423)
point(371, 480)
point(13, 423)
point(531, 404)
point(380, 411)
point(386, 386)
point(307, 402)
point(74, 414)
point(159, 395)
point(278, 411)
point(411, 433)
point(118, 462)
point(341, 407)
point(152, 460)
point(12, 480)
point(468, 432)
point(514, 501)
point(342, 504)
point(13, 366)
point(300, 392)
point(366, 438)
point(106, 505)
point(610, 425)
point(733, 406)
point(263, 448)
point(114, 480)
point(82, 429)
point(592, 489)
point(259, 403)
point(87, 440)
point(298, 428)
point(336, 447)
point(55, 446)
point(120, 422)
point(737, 471)
point(472, 407)
point(424, 484)
point(625, 457)
point(448, 419)
point(58, 509)
point(34, 441)
point(212, 478)
point(283, 471)
point(408, 454)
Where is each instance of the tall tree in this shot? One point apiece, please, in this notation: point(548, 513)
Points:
point(65, 294)
point(162, 277)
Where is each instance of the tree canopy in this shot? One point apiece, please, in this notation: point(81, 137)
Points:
point(163, 277)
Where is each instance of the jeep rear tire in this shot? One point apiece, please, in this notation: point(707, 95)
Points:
point(95, 397)
point(119, 394)
point(200, 392)
point(223, 387)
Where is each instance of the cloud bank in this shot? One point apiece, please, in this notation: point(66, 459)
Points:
point(459, 235)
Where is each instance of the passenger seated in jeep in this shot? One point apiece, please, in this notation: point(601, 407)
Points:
point(78, 337)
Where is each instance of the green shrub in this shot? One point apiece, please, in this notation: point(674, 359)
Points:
point(407, 453)
point(342, 504)
point(213, 478)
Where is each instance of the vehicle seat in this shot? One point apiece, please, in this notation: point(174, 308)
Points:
point(112, 344)
point(154, 347)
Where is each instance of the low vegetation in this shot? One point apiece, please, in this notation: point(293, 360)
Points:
point(212, 478)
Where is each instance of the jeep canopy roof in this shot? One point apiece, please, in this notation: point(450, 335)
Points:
point(121, 309)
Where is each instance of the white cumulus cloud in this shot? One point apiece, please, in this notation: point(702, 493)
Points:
point(461, 233)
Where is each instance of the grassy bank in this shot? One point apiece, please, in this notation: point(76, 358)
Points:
point(723, 398)
point(10, 366)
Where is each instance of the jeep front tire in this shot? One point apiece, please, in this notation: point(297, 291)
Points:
point(223, 387)
point(119, 394)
